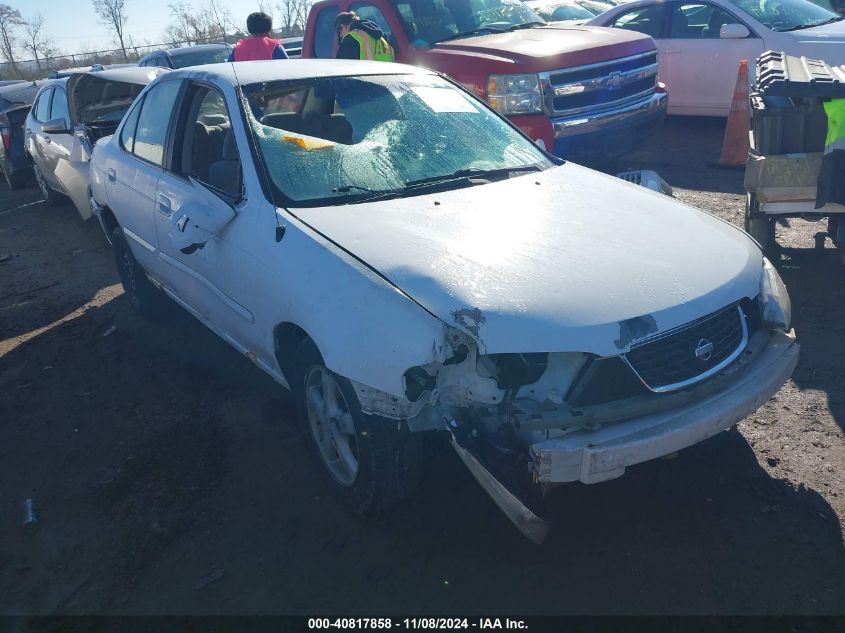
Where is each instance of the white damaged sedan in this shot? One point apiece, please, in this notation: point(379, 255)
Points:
point(403, 259)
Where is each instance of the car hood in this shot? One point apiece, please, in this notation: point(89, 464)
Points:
point(564, 260)
point(556, 45)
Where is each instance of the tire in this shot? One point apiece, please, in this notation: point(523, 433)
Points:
point(760, 227)
point(368, 462)
point(148, 300)
point(53, 197)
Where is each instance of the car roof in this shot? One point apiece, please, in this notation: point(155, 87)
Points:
point(128, 74)
point(21, 93)
point(200, 47)
point(280, 70)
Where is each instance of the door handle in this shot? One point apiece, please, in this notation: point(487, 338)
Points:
point(111, 175)
point(164, 206)
point(671, 51)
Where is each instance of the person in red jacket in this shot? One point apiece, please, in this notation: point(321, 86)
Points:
point(259, 44)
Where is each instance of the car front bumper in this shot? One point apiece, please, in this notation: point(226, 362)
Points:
point(610, 133)
point(594, 456)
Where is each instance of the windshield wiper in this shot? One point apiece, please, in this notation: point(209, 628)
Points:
point(472, 173)
point(527, 25)
point(418, 186)
point(799, 27)
point(479, 31)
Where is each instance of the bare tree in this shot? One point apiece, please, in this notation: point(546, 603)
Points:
point(180, 30)
point(35, 43)
point(113, 14)
point(287, 14)
point(10, 19)
point(219, 18)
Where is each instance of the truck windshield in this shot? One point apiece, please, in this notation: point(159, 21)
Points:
point(787, 15)
point(427, 22)
point(340, 140)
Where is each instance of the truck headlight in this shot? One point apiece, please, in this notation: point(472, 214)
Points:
point(775, 306)
point(515, 94)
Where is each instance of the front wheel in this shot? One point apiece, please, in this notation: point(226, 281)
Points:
point(143, 295)
point(370, 463)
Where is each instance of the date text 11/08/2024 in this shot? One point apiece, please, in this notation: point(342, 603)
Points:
point(417, 623)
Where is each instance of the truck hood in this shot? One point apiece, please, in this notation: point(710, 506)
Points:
point(549, 47)
point(563, 260)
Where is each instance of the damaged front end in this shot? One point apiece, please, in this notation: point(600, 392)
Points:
point(524, 423)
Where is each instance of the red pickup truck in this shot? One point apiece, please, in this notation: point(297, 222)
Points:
point(585, 92)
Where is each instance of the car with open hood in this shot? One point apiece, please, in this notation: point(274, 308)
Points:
point(68, 116)
point(403, 259)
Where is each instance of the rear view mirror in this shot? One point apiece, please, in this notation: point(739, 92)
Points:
point(734, 32)
point(55, 126)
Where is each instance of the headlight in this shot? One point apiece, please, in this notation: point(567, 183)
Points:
point(515, 94)
point(775, 306)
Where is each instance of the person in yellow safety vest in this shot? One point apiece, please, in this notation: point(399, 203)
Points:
point(831, 182)
point(361, 39)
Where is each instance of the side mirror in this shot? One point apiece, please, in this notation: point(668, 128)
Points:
point(56, 126)
point(198, 220)
point(734, 32)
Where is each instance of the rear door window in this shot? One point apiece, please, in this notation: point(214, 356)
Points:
point(324, 33)
point(154, 121)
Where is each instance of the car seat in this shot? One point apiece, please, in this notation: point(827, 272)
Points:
point(225, 174)
point(336, 128)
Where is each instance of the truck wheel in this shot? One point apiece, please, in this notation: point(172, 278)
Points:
point(370, 464)
point(760, 227)
point(53, 198)
point(143, 295)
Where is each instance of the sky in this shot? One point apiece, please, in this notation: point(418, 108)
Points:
point(72, 23)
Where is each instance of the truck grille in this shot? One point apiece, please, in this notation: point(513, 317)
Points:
point(690, 353)
point(600, 86)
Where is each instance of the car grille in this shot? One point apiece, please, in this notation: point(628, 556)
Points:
point(604, 85)
point(690, 353)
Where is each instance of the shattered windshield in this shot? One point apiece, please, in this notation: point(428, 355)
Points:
point(787, 15)
point(347, 139)
point(427, 22)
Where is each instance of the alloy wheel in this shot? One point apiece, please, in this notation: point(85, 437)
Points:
point(332, 425)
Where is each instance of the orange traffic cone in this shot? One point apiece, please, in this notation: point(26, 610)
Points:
point(735, 145)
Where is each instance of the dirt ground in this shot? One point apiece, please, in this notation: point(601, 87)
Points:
point(169, 476)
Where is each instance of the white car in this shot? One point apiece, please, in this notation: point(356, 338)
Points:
point(67, 117)
point(403, 259)
point(700, 43)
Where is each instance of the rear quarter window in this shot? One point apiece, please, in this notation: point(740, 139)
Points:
point(42, 108)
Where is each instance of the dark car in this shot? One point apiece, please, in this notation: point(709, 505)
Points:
point(187, 56)
point(15, 102)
